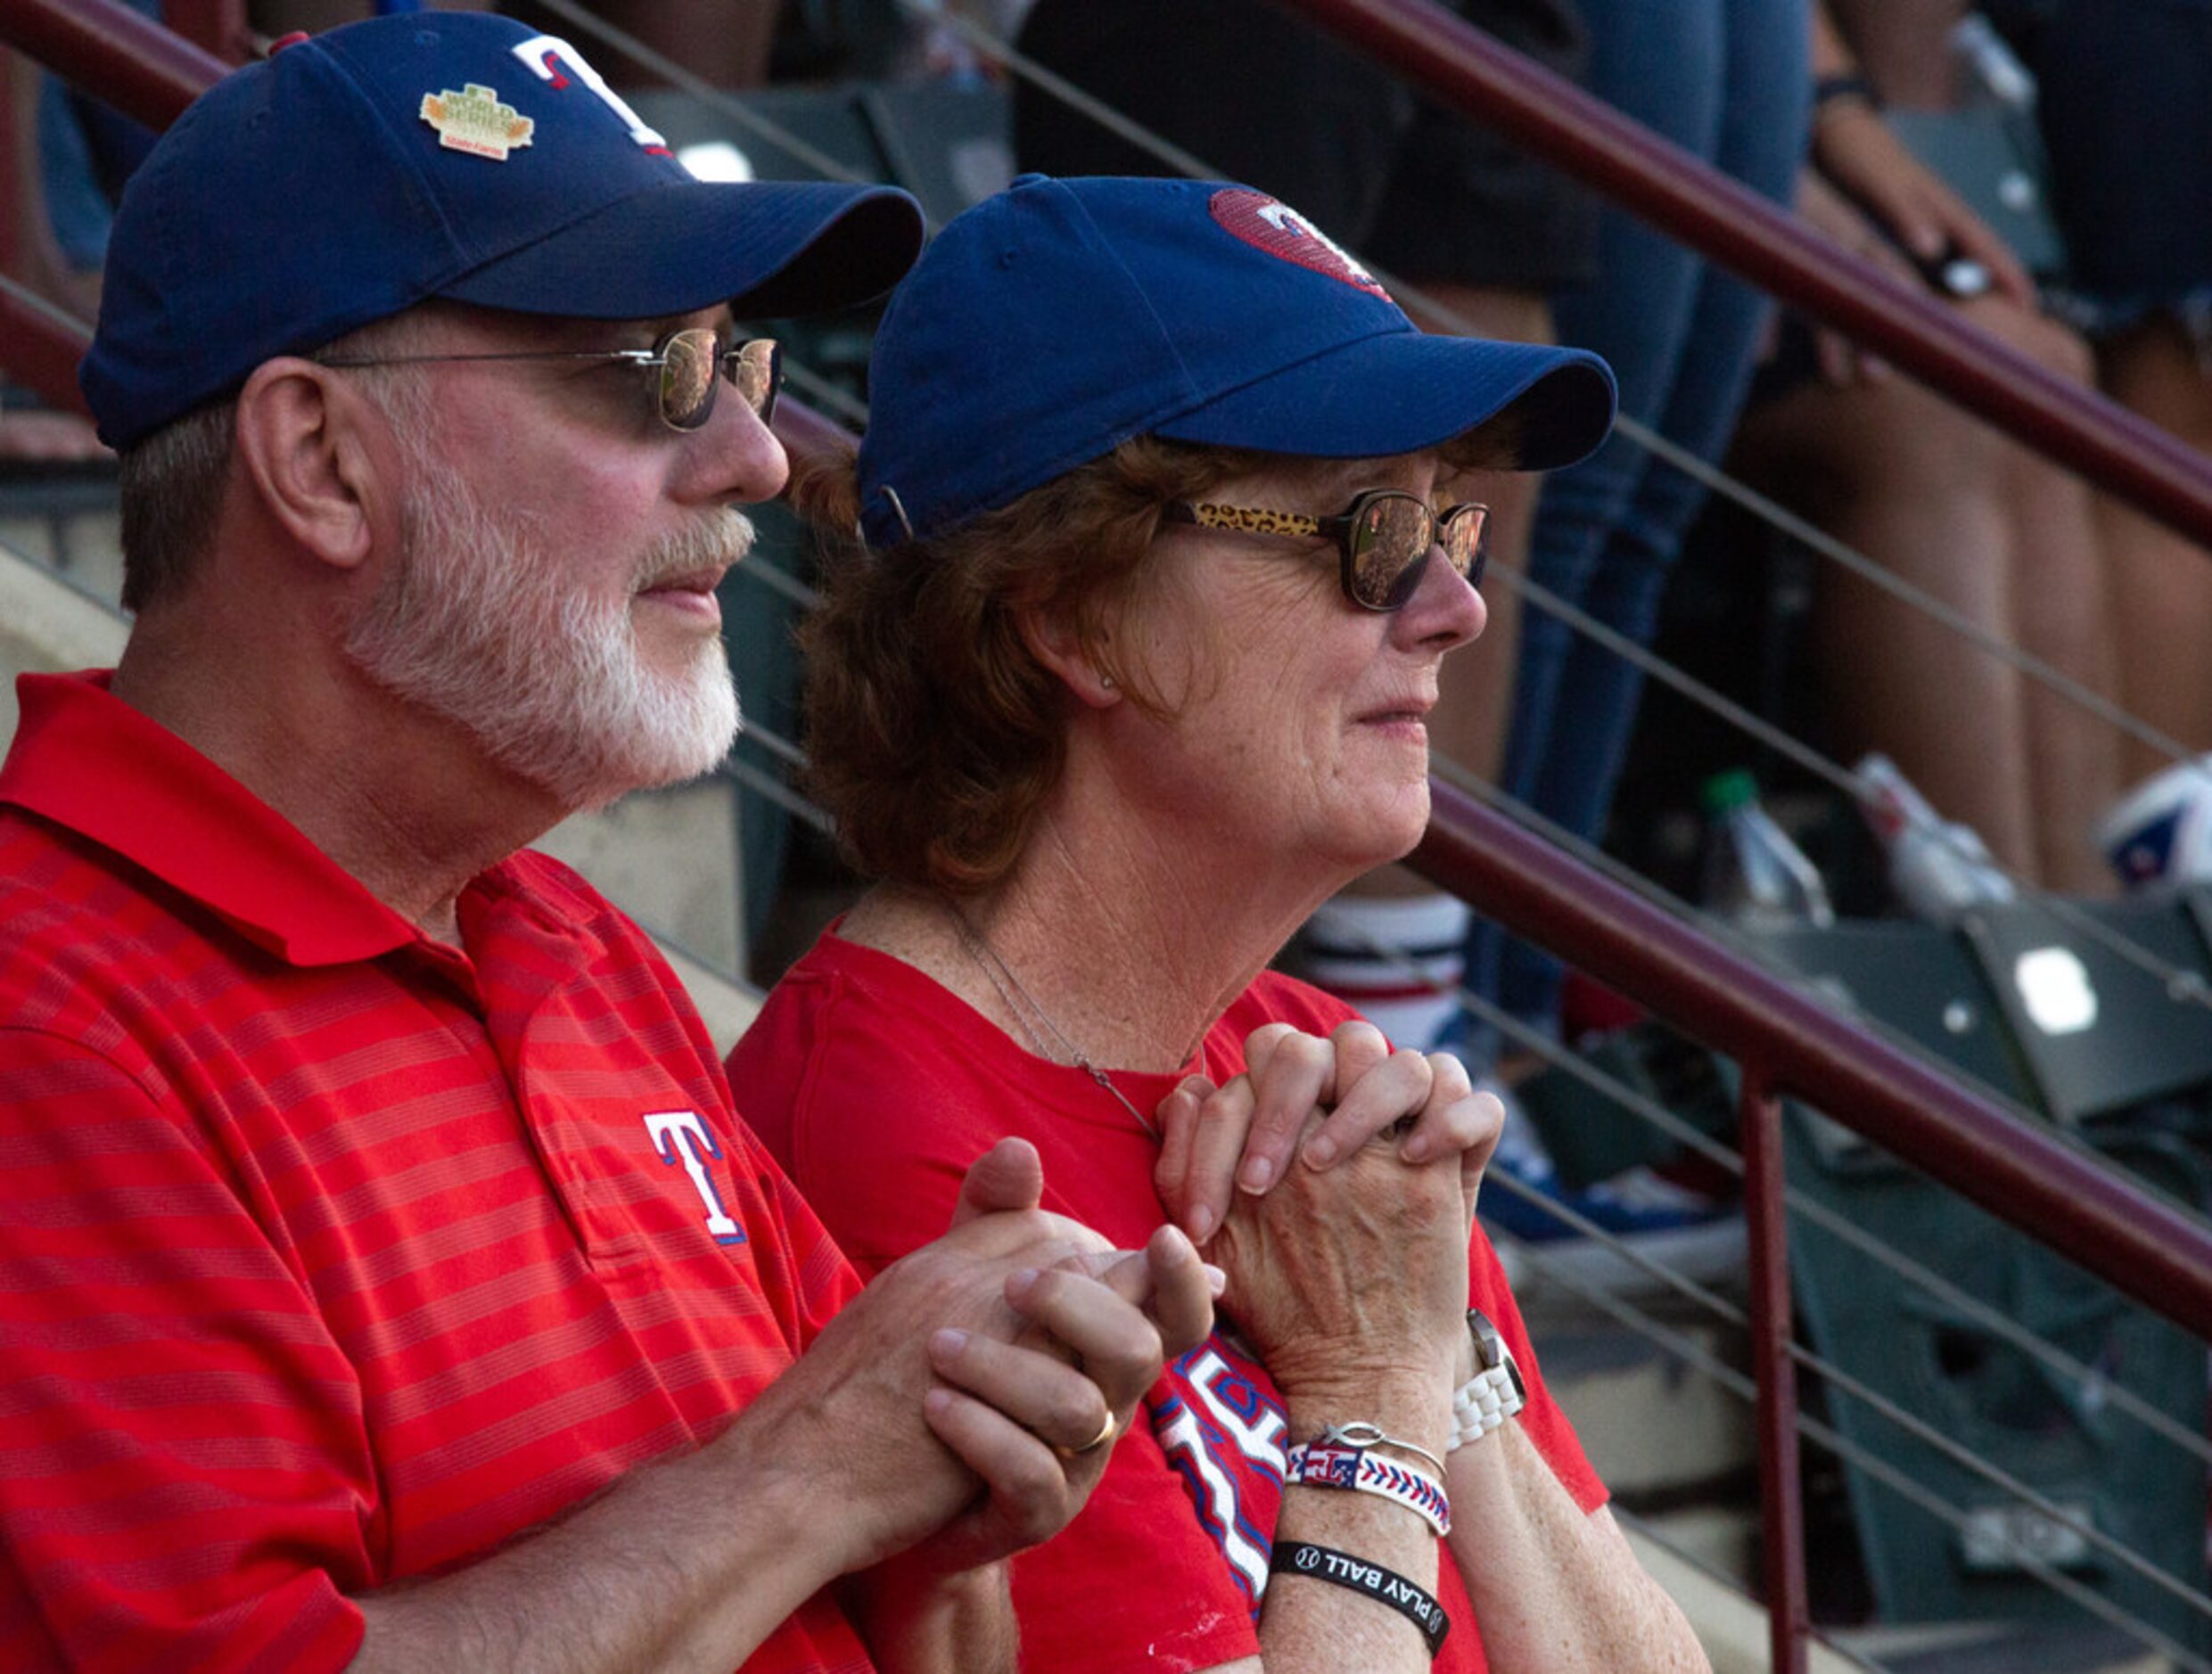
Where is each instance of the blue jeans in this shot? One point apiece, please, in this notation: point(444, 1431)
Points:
point(1729, 81)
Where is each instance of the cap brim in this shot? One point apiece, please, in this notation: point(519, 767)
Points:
point(769, 247)
point(1399, 392)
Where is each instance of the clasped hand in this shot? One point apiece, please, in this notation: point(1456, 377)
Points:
point(1353, 1262)
point(1217, 1140)
point(956, 1401)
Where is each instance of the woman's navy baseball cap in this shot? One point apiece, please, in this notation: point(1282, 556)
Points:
point(455, 154)
point(1055, 321)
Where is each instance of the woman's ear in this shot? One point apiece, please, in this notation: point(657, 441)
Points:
point(1059, 647)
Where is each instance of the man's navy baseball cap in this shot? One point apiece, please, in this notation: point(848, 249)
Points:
point(439, 155)
point(1049, 324)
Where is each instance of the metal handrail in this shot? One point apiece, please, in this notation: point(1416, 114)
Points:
point(151, 74)
point(1450, 59)
point(147, 72)
point(1788, 1042)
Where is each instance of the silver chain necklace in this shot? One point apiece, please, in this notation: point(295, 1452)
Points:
point(1001, 977)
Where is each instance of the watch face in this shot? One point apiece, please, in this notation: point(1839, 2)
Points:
point(1491, 1350)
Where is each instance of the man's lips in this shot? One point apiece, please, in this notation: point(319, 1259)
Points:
point(687, 581)
point(691, 592)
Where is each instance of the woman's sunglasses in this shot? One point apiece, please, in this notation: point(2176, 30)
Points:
point(689, 367)
point(1384, 539)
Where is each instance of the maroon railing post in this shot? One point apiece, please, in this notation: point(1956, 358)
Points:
point(1781, 1500)
point(1465, 69)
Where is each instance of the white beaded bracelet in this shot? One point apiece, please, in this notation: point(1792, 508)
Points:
point(1329, 1464)
point(1494, 1394)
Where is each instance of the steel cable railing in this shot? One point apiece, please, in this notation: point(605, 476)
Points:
point(2098, 1263)
point(1700, 1359)
point(2183, 985)
point(1998, 1478)
point(2037, 1348)
point(2117, 1396)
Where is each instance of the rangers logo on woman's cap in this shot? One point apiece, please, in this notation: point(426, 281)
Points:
point(1053, 322)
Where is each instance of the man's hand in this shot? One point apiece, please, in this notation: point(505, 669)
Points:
point(983, 1353)
point(1036, 1418)
point(1217, 1139)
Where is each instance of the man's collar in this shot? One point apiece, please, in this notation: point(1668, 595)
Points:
point(87, 760)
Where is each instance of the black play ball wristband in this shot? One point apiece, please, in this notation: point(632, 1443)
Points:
point(1385, 1587)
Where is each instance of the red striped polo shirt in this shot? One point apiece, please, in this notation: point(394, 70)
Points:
point(331, 1254)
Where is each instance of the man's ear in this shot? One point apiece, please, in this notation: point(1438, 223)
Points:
point(301, 438)
point(1056, 645)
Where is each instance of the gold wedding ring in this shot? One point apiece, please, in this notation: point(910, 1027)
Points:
point(1105, 1435)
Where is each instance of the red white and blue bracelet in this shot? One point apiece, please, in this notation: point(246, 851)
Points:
point(1342, 1457)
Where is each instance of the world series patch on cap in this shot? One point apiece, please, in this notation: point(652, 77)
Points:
point(357, 173)
point(1050, 323)
point(473, 121)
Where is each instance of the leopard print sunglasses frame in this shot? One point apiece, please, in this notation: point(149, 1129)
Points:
point(1383, 539)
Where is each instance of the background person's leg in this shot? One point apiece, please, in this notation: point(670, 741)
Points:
point(1728, 82)
point(2161, 581)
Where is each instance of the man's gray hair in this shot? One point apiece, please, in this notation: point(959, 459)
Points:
point(171, 482)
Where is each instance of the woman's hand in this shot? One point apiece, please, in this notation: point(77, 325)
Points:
point(1351, 1276)
point(1842, 362)
point(1856, 151)
point(1214, 1140)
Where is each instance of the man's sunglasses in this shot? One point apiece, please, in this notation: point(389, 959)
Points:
point(1384, 539)
point(688, 366)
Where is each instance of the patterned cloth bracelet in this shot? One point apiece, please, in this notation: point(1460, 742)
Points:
point(1385, 1587)
point(1318, 1466)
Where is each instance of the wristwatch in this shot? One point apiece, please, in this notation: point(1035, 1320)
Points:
point(1494, 1393)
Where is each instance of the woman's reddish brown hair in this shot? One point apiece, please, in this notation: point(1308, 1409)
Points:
point(935, 733)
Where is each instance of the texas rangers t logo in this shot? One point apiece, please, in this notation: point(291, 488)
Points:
point(1280, 231)
point(680, 1137)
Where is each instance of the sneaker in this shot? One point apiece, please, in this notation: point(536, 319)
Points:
point(1686, 1231)
point(2158, 836)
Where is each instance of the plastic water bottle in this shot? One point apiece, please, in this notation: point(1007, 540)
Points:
point(1755, 876)
point(1939, 867)
point(1992, 66)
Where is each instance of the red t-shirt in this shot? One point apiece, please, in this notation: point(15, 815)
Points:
point(332, 1254)
point(875, 1087)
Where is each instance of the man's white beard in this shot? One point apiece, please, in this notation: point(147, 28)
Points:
point(478, 624)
